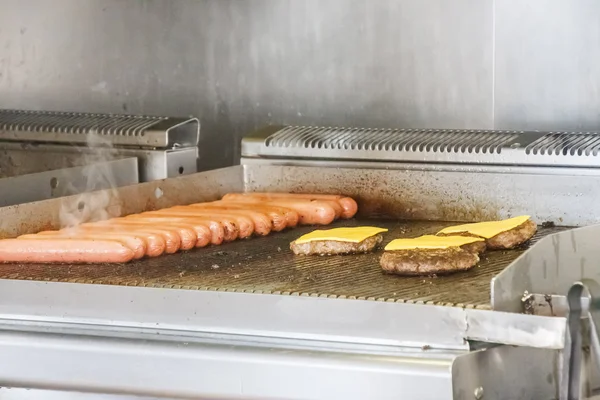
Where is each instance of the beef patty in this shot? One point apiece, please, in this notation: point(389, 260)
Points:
point(506, 240)
point(332, 247)
point(428, 261)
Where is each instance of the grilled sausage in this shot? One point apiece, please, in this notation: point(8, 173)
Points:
point(309, 212)
point(348, 204)
point(245, 226)
point(136, 244)
point(280, 217)
point(217, 232)
point(186, 232)
point(203, 232)
point(171, 238)
point(230, 227)
point(262, 223)
point(68, 251)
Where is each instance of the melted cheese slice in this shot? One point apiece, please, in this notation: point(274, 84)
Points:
point(487, 229)
point(430, 242)
point(352, 235)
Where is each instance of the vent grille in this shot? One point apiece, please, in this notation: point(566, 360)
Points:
point(442, 146)
point(49, 126)
point(564, 143)
point(402, 140)
point(76, 123)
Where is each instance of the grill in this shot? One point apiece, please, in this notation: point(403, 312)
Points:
point(266, 265)
point(222, 308)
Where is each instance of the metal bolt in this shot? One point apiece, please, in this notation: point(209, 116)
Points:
point(478, 393)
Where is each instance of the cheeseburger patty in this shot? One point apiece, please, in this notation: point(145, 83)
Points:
point(506, 240)
point(428, 261)
point(332, 247)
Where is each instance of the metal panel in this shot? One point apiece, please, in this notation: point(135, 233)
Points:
point(152, 164)
point(546, 64)
point(550, 268)
point(68, 181)
point(190, 369)
point(241, 65)
point(506, 372)
point(337, 322)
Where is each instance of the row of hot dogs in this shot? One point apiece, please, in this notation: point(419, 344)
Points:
point(166, 231)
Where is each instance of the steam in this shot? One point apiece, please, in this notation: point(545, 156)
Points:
point(98, 199)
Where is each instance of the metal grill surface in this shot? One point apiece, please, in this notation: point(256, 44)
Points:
point(267, 265)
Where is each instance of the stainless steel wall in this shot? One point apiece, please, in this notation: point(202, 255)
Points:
point(241, 64)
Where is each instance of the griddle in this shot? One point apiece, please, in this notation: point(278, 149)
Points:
point(265, 264)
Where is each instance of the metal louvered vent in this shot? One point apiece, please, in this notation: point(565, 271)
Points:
point(450, 146)
point(562, 143)
point(77, 128)
point(405, 140)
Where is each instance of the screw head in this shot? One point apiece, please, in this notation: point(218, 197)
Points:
point(478, 393)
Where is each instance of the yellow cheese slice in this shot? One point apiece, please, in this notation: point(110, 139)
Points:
point(352, 235)
point(430, 242)
point(487, 229)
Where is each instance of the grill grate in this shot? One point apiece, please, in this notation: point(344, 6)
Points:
point(451, 146)
point(266, 265)
point(58, 127)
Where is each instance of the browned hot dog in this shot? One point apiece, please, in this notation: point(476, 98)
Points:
point(217, 232)
point(309, 212)
point(136, 244)
point(171, 238)
point(280, 217)
point(262, 223)
point(203, 232)
point(155, 244)
point(244, 224)
point(230, 227)
point(186, 232)
point(348, 204)
point(69, 251)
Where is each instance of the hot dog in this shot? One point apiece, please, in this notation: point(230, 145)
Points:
point(348, 204)
point(203, 232)
point(309, 212)
point(245, 226)
point(217, 232)
point(280, 217)
point(186, 232)
point(262, 223)
point(136, 244)
point(171, 238)
point(230, 227)
point(70, 251)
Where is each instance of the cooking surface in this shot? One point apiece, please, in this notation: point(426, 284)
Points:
point(266, 264)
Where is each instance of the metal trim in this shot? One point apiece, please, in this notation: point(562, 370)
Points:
point(273, 316)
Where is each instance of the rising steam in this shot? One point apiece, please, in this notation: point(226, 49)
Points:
point(99, 198)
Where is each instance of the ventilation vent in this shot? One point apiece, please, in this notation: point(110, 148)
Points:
point(395, 140)
point(563, 143)
point(441, 146)
point(47, 126)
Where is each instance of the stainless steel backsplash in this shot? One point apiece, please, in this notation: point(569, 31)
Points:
point(238, 65)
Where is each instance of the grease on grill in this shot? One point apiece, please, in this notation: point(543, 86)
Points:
point(267, 265)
